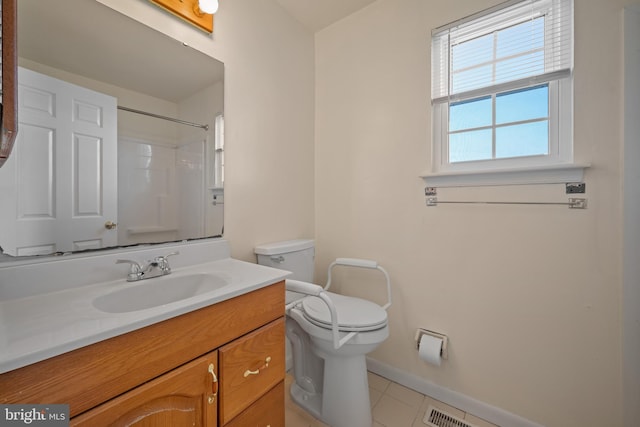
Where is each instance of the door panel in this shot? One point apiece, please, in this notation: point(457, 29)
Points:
point(61, 182)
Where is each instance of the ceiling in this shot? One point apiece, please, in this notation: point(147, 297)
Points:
point(318, 14)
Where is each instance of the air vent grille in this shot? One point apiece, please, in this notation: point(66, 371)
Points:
point(438, 418)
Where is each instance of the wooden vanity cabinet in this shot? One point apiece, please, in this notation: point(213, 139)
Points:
point(161, 375)
point(182, 397)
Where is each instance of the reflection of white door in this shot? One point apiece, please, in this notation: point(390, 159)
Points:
point(63, 169)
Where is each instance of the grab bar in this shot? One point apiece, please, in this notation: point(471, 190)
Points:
point(318, 291)
point(361, 263)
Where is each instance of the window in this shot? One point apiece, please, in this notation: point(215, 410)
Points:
point(216, 173)
point(502, 88)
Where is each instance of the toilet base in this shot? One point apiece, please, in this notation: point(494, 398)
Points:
point(310, 402)
point(344, 401)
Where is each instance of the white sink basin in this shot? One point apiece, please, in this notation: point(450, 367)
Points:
point(158, 291)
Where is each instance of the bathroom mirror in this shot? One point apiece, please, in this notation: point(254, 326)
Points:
point(156, 177)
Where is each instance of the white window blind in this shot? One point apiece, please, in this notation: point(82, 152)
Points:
point(515, 44)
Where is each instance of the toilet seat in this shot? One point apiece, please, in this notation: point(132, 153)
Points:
point(354, 314)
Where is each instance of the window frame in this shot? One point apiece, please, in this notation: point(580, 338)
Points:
point(560, 107)
point(560, 135)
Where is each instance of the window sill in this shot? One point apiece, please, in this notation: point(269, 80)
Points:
point(556, 174)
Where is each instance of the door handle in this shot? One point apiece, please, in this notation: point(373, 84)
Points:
point(109, 225)
point(214, 384)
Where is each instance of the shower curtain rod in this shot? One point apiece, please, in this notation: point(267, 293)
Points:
point(157, 116)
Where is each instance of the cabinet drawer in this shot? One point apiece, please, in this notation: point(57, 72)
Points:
point(249, 367)
point(268, 411)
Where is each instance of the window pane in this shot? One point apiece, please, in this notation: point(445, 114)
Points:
point(467, 146)
point(470, 114)
point(524, 104)
point(520, 38)
point(527, 139)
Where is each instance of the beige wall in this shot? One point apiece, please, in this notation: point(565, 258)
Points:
point(530, 296)
point(269, 73)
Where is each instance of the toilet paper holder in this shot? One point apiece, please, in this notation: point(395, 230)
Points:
point(445, 340)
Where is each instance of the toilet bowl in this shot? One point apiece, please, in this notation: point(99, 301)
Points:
point(330, 335)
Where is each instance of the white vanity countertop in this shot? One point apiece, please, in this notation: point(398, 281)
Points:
point(40, 326)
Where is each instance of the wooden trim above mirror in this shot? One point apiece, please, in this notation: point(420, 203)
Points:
point(9, 110)
point(189, 11)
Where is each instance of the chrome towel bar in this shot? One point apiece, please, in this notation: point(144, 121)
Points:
point(573, 203)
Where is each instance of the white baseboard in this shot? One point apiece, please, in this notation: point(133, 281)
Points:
point(465, 403)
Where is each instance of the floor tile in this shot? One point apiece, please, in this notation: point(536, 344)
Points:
point(377, 382)
point(374, 396)
point(294, 419)
point(406, 395)
point(391, 412)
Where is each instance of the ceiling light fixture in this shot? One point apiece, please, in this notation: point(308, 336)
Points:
point(208, 6)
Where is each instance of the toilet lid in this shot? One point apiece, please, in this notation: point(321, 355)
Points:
point(354, 314)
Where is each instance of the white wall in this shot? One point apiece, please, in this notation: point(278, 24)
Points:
point(530, 296)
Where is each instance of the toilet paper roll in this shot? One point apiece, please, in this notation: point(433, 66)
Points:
point(429, 349)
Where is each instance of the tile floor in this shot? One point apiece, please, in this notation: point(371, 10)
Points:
point(393, 406)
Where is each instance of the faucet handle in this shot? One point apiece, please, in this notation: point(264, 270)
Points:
point(163, 262)
point(135, 272)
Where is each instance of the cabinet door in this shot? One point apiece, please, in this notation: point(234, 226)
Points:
point(249, 367)
point(182, 397)
point(268, 411)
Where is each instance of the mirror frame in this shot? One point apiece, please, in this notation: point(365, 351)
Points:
point(9, 110)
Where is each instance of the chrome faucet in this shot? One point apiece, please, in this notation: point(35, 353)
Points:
point(159, 266)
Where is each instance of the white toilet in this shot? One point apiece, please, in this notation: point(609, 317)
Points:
point(330, 336)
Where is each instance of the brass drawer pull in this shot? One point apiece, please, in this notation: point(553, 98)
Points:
point(214, 384)
point(257, 371)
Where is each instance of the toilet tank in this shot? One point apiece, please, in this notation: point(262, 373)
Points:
point(296, 256)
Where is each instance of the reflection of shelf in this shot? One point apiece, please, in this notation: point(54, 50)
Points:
point(150, 229)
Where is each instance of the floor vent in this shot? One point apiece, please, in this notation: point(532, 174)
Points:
point(438, 418)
